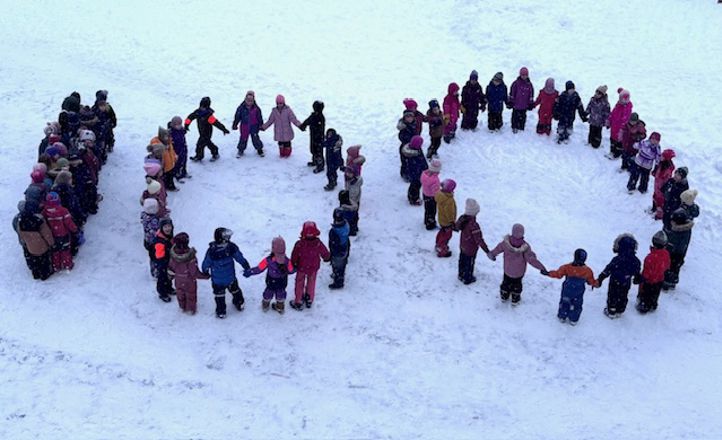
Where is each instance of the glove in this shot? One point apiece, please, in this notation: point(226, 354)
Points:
point(531, 107)
point(235, 127)
point(247, 273)
point(490, 256)
point(225, 131)
point(186, 128)
point(544, 272)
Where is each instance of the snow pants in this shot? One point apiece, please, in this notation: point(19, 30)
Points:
point(278, 294)
point(442, 241)
point(617, 297)
point(163, 284)
point(671, 277)
point(201, 145)
point(338, 265)
point(595, 135)
point(243, 140)
point(466, 267)
point(648, 297)
point(305, 284)
point(39, 265)
point(470, 119)
point(564, 131)
point(61, 257)
point(615, 148)
point(317, 154)
point(429, 212)
point(219, 292)
point(187, 298)
point(404, 164)
point(511, 286)
point(413, 192)
point(518, 119)
point(638, 174)
point(570, 307)
point(544, 128)
point(495, 120)
point(434, 148)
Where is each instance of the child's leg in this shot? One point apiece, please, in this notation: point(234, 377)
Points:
point(237, 293)
point(575, 307)
point(191, 299)
point(442, 241)
point(242, 141)
point(66, 258)
point(505, 288)
point(644, 179)
point(633, 176)
point(299, 287)
point(404, 165)
point(353, 224)
point(180, 295)
point(311, 286)
point(413, 192)
point(257, 143)
point(564, 303)
point(653, 292)
point(219, 294)
point(163, 285)
point(516, 288)
point(56, 260)
point(429, 212)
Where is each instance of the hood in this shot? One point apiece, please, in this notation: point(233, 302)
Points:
point(205, 102)
point(453, 88)
point(318, 106)
point(182, 256)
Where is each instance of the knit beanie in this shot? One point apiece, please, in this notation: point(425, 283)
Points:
point(150, 206)
point(176, 122)
point(433, 103)
point(682, 171)
point(152, 168)
point(474, 75)
point(64, 177)
point(688, 197)
point(602, 90)
point(668, 154)
point(52, 199)
point(278, 246)
point(448, 185)
point(40, 167)
point(472, 207)
point(416, 142)
point(62, 163)
point(659, 240)
point(154, 187)
point(410, 104)
point(435, 166)
point(580, 257)
point(569, 85)
point(37, 176)
point(499, 76)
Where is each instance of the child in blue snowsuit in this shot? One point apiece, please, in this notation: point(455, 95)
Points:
point(340, 246)
point(577, 274)
point(219, 260)
point(622, 271)
point(334, 159)
point(279, 267)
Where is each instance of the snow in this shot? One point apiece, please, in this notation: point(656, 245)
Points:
point(405, 350)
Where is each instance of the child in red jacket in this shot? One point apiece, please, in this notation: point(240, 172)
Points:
point(306, 256)
point(62, 226)
point(183, 270)
point(655, 265)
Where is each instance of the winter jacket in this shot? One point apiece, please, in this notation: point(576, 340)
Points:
point(317, 123)
point(88, 118)
point(419, 119)
point(92, 163)
point(598, 110)
point(107, 118)
point(631, 134)
point(446, 206)
point(546, 101)
point(219, 260)
point(661, 175)
point(206, 120)
point(679, 232)
point(625, 266)
point(648, 155)
point(339, 244)
point(183, 266)
point(36, 192)
point(521, 94)
point(169, 155)
point(333, 145)
point(59, 221)
point(471, 237)
point(655, 265)
point(472, 97)
point(250, 119)
point(430, 183)
point(576, 278)
point(278, 271)
point(281, 121)
point(151, 224)
point(416, 162)
point(451, 107)
point(353, 186)
point(436, 124)
point(161, 249)
point(354, 159)
point(618, 118)
point(566, 107)
point(307, 254)
point(406, 131)
point(35, 234)
point(69, 200)
point(672, 191)
point(497, 96)
point(516, 258)
point(178, 140)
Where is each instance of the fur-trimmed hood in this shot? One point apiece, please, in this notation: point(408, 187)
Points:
point(520, 250)
point(182, 257)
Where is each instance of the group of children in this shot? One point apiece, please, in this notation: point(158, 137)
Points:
point(64, 184)
point(673, 201)
point(173, 261)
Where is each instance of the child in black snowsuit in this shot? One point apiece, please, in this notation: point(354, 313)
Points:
point(334, 159)
point(340, 246)
point(622, 270)
point(206, 121)
point(407, 130)
point(317, 122)
point(568, 103)
point(349, 210)
point(162, 243)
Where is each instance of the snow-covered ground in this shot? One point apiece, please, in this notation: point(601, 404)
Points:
point(405, 350)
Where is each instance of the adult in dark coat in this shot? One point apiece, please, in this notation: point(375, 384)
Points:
point(317, 123)
point(472, 101)
point(206, 120)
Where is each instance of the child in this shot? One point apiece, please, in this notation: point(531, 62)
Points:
point(354, 159)
point(206, 120)
point(436, 127)
point(672, 191)
point(598, 111)
point(353, 185)
point(496, 95)
point(161, 257)
point(472, 100)
point(153, 191)
point(219, 261)
point(107, 120)
point(632, 133)
point(577, 273)
point(339, 246)
point(306, 256)
point(281, 118)
point(451, 111)
point(250, 118)
point(517, 253)
point(37, 239)
point(334, 160)
point(623, 269)
point(419, 118)
point(279, 267)
point(62, 226)
point(471, 240)
point(416, 165)
point(546, 99)
point(447, 216)
point(655, 266)
point(679, 234)
point(349, 210)
point(317, 122)
point(521, 99)
point(183, 270)
point(662, 173)
point(68, 198)
point(407, 130)
point(566, 106)
point(151, 223)
point(168, 158)
point(430, 185)
point(618, 118)
point(647, 158)
point(180, 146)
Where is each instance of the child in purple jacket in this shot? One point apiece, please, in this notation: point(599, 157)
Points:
point(279, 267)
point(648, 156)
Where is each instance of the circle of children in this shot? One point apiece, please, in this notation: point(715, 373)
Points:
point(64, 184)
point(672, 201)
point(173, 261)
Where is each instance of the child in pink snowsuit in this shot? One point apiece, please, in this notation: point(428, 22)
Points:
point(662, 173)
point(279, 267)
point(430, 185)
point(281, 118)
point(62, 226)
point(451, 111)
point(306, 258)
point(618, 118)
point(546, 99)
point(183, 269)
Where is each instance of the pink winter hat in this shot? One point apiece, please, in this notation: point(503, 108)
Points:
point(435, 166)
point(448, 185)
point(668, 154)
point(655, 137)
point(278, 246)
point(523, 71)
point(416, 142)
point(280, 100)
point(623, 93)
point(37, 176)
point(410, 104)
point(152, 168)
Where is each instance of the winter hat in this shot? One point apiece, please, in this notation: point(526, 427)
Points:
point(53, 138)
point(153, 187)
point(280, 100)
point(62, 164)
point(623, 93)
point(625, 243)
point(523, 71)
point(549, 85)
point(580, 257)
point(409, 113)
point(569, 85)
point(435, 166)
point(472, 207)
point(150, 206)
point(86, 135)
point(688, 197)
point(353, 151)
point(448, 185)
point(344, 197)
point(602, 90)
point(50, 128)
point(517, 235)
point(498, 76)
point(152, 168)
point(165, 221)
point(101, 95)
point(659, 240)
point(40, 167)
point(668, 154)
point(682, 171)
point(52, 198)
point(221, 235)
point(251, 93)
point(63, 177)
point(453, 88)
point(37, 176)
point(433, 103)
point(634, 117)
point(162, 133)
point(176, 122)
point(338, 218)
point(205, 102)
point(309, 230)
point(410, 104)
point(474, 75)
point(416, 142)
point(278, 246)
point(655, 137)
point(318, 106)
point(181, 241)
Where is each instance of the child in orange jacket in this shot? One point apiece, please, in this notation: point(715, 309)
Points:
point(577, 275)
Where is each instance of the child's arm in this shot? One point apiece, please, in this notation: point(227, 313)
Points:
point(559, 273)
point(256, 270)
point(496, 251)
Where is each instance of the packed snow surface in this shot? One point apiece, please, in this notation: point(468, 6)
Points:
point(405, 350)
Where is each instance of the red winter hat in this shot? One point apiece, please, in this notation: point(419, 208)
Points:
point(309, 230)
point(523, 71)
point(655, 137)
point(416, 142)
point(668, 154)
point(410, 104)
point(37, 176)
point(448, 185)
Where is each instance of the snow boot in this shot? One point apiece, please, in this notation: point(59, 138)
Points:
point(311, 164)
point(573, 323)
point(196, 159)
point(265, 305)
point(318, 169)
point(335, 285)
point(330, 187)
point(610, 314)
point(239, 154)
point(504, 295)
point(307, 301)
point(214, 157)
point(165, 298)
point(279, 307)
point(260, 152)
point(296, 306)
point(470, 280)
point(515, 299)
point(221, 315)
